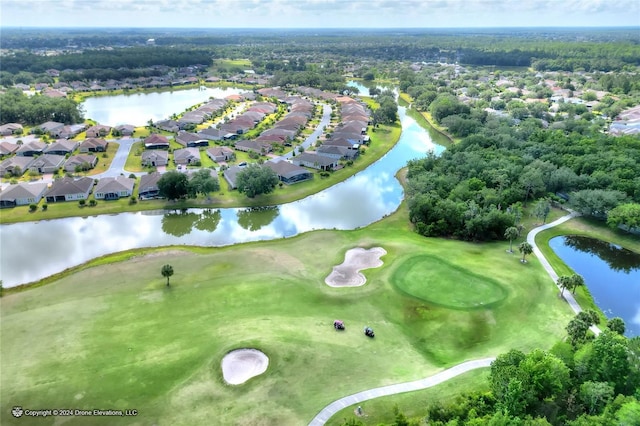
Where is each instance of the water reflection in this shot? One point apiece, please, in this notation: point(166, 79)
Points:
point(360, 200)
point(139, 108)
point(610, 273)
point(618, 258)
point(255, 218)
point(209, 220)
point(179, 224)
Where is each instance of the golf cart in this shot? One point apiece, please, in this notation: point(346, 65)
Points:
point(338, 325)
point(368, 331)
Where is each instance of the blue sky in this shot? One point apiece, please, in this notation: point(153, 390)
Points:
point(318, 13)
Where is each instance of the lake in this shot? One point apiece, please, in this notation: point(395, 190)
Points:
point(364, 198)
point(138, 108)
point(611, 273)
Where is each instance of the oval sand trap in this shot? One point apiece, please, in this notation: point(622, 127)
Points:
point(242, 364)
point(348, 273)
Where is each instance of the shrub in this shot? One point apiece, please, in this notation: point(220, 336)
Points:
point(82, 203)
point(133, 200)
point(33, 207)
point(45, 207)
point(93, 203)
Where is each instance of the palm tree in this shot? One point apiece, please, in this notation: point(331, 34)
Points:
point(525, 248)
point(576, 281)
point(510, 234)
point(564, 282)
point(167, 271)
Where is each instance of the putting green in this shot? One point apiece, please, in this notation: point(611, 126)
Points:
point(436, 281)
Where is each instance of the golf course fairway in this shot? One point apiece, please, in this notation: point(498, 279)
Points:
point(113, 335)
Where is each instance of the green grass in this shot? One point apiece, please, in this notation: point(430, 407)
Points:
point(413, 404)
point(104, 162)
point(134, 159)
point(113, 335)
point(437, 281)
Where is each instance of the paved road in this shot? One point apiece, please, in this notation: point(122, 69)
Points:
point(327, 412)
point(531, 239)
point(117, 164)
point(313, 137)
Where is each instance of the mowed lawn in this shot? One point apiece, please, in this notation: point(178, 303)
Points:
point(115, 337)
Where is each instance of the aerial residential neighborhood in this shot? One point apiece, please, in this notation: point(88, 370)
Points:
point(320, 213)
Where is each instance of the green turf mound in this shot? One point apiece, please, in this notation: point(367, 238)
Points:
point(436, 281)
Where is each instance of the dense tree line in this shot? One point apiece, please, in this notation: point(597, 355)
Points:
point(570, 50)
point(37, 109)
point(475, 188)
point(583, 381)
point(133, 57)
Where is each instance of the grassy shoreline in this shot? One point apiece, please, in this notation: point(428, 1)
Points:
point(426, 116)
point(383, 140)
point(592, 228)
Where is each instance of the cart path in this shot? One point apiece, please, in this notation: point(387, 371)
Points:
point(531, 239)
point(330, 410)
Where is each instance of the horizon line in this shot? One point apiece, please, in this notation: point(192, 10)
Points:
point(320, 28)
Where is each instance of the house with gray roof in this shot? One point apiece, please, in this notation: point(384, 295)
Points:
point(15, 166)
point(289, 173)
point(186, 156)
point(98, 131)
point(51, 127)
point(231, 175)
point(155, 158)
point(256, 146)
point(31, 148)
point(148, 188)
point(61, 147)
point(315, 161)
point(93, 145)
point(113, 188)
point(22, 194)
point(8, 148)
point(10, 129)
point(69, 189)
point(125, 129)
point(70, 131)
point(214, 134)
point(338, 152)
point(168, 125)
point(220, 153)
point(184, 138)
point(80, 161)
point(47, 163)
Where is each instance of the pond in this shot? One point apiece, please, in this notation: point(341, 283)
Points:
point(611, 273)
point(363, 90)
point(138, 108)
point(358, 201)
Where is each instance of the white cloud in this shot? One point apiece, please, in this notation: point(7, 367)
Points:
point(319, 13)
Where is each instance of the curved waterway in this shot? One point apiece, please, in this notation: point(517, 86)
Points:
point(611, 273)
point(31, 251)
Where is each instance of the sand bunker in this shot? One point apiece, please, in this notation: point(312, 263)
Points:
point(348, 273)
point(240, 365)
